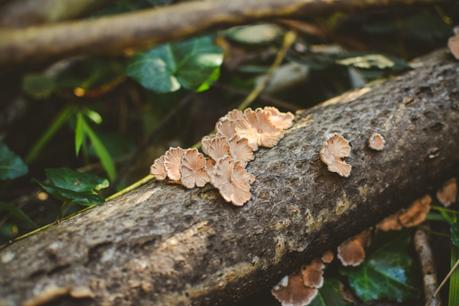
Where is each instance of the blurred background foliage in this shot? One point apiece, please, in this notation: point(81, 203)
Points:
point(74, 131)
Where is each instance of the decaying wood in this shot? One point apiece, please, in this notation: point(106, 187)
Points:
point(153, 26)
point(164, 245)
point(429, 274)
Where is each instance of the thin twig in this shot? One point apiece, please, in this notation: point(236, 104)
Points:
point(422, 246)
point(443, 282)
point(158, 25)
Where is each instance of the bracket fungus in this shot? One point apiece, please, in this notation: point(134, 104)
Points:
point(158, 169)
point(447, 194)
point(334, 149)
point(238, 135)
point(313, 274)
point(173, 162)
point(327, 257)
point(416, 213)
point(352, 251)
point(376, 142)
point(193, 169)
point(291, 291)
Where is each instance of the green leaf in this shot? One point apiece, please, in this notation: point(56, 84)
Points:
point(16, 213)
point(453, 294)
point(38, 86)
point(94, 116)
point(69, 179)
point(193, 64)
point(330, 294)
point(79, 133)
point(101, 151)
point(388, 273)
point(65, 195)
point(11, 165)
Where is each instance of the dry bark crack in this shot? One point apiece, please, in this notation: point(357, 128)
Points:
point(164, 245)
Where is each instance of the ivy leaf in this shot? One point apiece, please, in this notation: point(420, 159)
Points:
point(69, 179)
point(192, 64)
point(65, 195)
point(330, 294)
point(11, 165)
point(73, 186)
point(388, 272)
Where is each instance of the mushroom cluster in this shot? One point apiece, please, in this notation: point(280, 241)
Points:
point(300, 288)
point(226, 153)
point(414, 215)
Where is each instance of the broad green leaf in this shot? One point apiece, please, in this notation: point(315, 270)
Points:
point(254, 34)
point(388, 272)
point(192, 64)
point(65, 195)
point(38, 86)
point(330, 294)
point(79, 133)
point(69, 179)
point(11, 165)
point(101, 151)
point(16, 213)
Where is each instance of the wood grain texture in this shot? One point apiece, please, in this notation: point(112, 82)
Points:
point(164, 245)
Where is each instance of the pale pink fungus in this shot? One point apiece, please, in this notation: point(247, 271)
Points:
point(157, 169)
point(333, 150)
point(215, 146)
point(240, 150)
point(262, 131)
point(278, 119)
point(416, 213)
point(232, 180)
point(376, 142)
point(172, 163)
point(193, 169)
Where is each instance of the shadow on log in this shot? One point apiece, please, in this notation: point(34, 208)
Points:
point(163, 245)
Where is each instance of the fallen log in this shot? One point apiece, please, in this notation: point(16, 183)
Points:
point(149, 27)
point(164, 245)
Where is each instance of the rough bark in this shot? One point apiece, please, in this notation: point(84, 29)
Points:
point(153, 26)
point(164, 245)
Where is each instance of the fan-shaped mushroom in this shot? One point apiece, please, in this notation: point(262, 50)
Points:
point(327, 257)
point(333, 150)
point(390, 223)
point(232, 180)
point(193, 169)
point(291, 291)
point(416, 213)
point(313, 274)
point(376, 142)
point(157, 168)
point(278, 119)
point(261, 130)
point(215, 146)
point(447, 194)
point(173, 162)
point(352, 251)
point(240, 150)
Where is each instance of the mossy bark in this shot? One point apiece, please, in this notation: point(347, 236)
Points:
point(164, 245)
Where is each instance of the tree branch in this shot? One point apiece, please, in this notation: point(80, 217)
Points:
point(164, 245)
point(153, 26)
